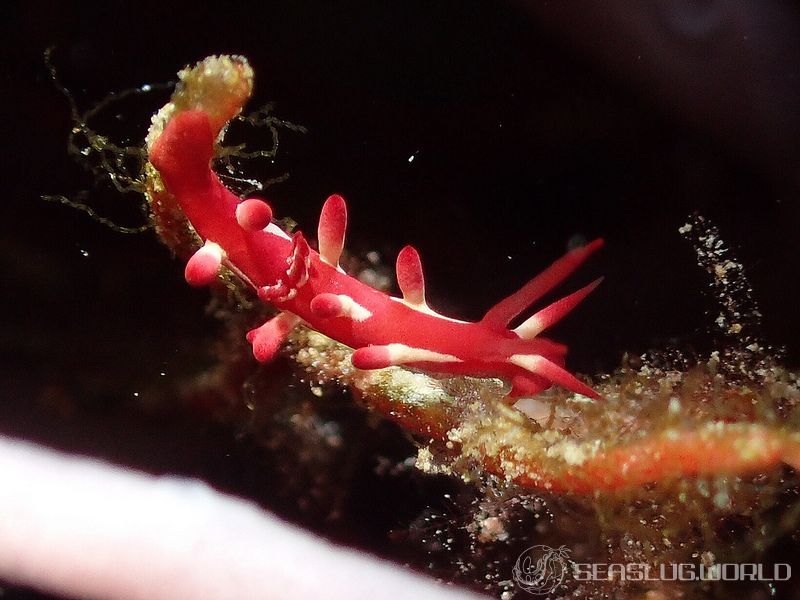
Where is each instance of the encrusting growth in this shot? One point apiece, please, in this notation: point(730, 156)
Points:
point(311, 287)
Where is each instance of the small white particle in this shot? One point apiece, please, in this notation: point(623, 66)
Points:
point(722, 500)
point(84, 253)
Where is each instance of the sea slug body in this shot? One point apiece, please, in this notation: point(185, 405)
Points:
point(310, 286)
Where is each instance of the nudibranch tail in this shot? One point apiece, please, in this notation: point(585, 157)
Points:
point(505, 311)
point(309, 286)
point(551, 314)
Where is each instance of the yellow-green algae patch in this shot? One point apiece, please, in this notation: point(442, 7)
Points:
point(649, 422)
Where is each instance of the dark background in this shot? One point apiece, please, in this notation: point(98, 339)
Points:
point(531, 125)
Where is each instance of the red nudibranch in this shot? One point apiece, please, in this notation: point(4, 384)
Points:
point(310, 286)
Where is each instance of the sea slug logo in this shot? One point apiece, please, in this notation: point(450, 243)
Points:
point(541, 569)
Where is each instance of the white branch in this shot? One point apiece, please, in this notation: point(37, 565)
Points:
point(79, 527)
